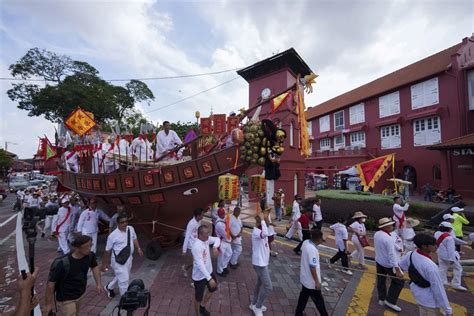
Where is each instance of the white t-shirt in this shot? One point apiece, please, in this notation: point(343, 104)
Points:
point(296, 213)
point(118, 240)
point(359, 228)
point(340, 231)
point(317, 215)
point(309, 260)
point(385, 253)
point(202, 261)
point(235, 228)
point(191, 234)
point(447, 249)
point(260, 248)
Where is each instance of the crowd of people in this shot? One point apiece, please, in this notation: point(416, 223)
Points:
point(398, 250)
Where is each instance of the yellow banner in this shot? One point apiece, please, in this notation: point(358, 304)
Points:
point(304, 136)
point(80, 122)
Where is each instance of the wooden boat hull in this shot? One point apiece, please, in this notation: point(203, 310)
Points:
point(161, 200)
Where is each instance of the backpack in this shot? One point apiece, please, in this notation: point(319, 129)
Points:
point(64, 259)
point(416, 277)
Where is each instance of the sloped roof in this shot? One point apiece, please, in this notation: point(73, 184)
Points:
point(419, 70)
point(466, 141)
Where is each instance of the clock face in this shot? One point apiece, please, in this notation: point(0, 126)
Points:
point(266, 93)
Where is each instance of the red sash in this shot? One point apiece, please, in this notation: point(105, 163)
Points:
point(423, 254)
point(70, 155)
point(441, 238)
point(401, 220)
point(101, 162)
point(67, 216)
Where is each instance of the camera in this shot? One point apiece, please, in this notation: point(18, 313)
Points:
point(30, 219)
point(135, 297)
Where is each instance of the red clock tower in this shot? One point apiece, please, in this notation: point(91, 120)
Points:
point(268, 78)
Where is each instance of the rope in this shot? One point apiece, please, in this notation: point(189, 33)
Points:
point(155, 222)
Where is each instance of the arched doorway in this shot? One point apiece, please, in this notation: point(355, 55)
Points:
point(409, 174)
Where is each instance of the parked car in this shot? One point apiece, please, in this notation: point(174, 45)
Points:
point(17, 183)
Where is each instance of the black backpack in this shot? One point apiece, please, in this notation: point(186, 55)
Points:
point(64, 259)
point(416, 277)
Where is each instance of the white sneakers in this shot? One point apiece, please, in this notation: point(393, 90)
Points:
point(346, 271)
point(258, 311)
point(459, 288)
point(392, 306)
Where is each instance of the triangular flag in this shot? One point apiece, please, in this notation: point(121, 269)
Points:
point(48, 150)
point(191, 135)
point(371, 171)
point(277, 101)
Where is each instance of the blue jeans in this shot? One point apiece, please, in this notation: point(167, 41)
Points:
point(278, 212)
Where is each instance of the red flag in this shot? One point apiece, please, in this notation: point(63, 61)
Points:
point(371, 171)
point(206, 128)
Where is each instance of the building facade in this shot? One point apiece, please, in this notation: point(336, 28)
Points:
point(405, 112)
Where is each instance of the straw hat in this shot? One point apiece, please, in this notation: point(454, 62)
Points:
point(412, 222)
point(385, 221)
point(359, 214)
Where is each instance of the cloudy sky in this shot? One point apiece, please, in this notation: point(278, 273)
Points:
point(348, 43)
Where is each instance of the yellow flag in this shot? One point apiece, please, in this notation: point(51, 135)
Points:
point(304, 137)
point(277, 101)
point(80, 122)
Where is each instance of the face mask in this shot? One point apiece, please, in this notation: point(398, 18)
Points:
point(363, 220)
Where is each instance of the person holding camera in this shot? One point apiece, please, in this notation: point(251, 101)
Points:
point(67, 279)
point(121, 243)
point(203, 275)
point(426, 283)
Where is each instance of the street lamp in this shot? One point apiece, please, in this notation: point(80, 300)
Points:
point(197, 115)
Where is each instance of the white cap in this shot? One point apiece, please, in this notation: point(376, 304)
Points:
point(457, 209)
point(446, 224)
point(65, 200)
point(447, 216)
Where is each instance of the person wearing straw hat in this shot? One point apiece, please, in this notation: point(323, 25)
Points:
point(426, 284)
point(387, 264)
point(459, 220)
point(409, 234)
point(447, 256)
point(358, 230)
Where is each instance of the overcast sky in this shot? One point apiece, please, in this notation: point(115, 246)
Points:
point(348, 43)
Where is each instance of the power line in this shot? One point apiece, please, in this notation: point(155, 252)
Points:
point(192, 96)
point(141, 79)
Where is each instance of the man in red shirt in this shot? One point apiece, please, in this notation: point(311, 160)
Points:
point(304, 221)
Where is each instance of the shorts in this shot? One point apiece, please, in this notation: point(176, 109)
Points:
point(200, 286)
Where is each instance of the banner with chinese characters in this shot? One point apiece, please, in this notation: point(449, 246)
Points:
point(219, 124)
point(232, 122)
point(206, 126)
point(80, 122)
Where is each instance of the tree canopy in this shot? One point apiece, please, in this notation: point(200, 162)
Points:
point(5, 160)
point(68, 84)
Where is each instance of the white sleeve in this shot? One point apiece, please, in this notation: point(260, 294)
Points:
point(133, 234)
point(176, 138)
point(186, 238)
point(438, 290)
point(405, 262)
point(199, 262)
point(264, 232)
point(160, 147)
point(216, 242)
point(391, 252)
point(110, 243)
point(450, 245)
point(220, 229)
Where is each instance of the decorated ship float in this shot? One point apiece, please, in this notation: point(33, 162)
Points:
point(161, 193)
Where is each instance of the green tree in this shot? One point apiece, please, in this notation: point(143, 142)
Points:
point(68, 84)
point(182, 128)
point(5, 160)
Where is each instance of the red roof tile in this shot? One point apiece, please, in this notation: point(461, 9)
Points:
point(455, 143)
point(421, 69)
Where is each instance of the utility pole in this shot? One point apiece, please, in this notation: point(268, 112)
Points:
point(6, 144)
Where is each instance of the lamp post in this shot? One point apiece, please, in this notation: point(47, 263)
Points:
point(197, 115)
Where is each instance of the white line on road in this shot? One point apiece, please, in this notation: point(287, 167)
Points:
point(9, 220)
point(6, 238)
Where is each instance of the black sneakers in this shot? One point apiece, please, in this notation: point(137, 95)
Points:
point(204, 311)
point(110, 293)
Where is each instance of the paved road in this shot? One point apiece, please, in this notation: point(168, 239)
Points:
point(172, 294)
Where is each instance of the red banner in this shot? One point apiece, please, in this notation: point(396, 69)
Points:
point(206, 127)
point(371, 171)
point(219, 124)
point(232, 122)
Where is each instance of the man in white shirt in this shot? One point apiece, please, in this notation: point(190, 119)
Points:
point(295, 224)
point(124, 237)
point(399, 214)
point(260, 259)
point(191, 235)
point(214, 217)
point(89, 222)
point(62, 225)
point(34, 200)
point(225, 250)
point(236, 229)
point(317, 214)
point(166, 141)
point(310, 275)
point(52, 207)
point(141, 149)
point(202, 269)
point(387, 264)
point(70, 159)
point(447, 256)
point(432, 297)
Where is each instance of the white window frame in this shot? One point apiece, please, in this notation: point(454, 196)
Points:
point(392, 134)
point(389, 104)
point(310, 128)
point(292, 141)
point(357, 114)
point(470, 88)
point(425, 93)
point(324, 124)
point(339, 127)
point(326, 142)
point(339, 146)
point(424, 128)
point(358, 139)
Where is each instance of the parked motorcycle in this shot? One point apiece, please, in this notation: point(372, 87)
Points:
point(447, 196)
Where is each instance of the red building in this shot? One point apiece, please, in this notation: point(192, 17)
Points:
point(426, 105)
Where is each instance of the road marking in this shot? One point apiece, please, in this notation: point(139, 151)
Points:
point(9, 220)
point(364, 290)
point(6, 238)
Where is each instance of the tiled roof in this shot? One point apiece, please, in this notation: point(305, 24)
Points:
point(456, 143)
point(420, 70)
